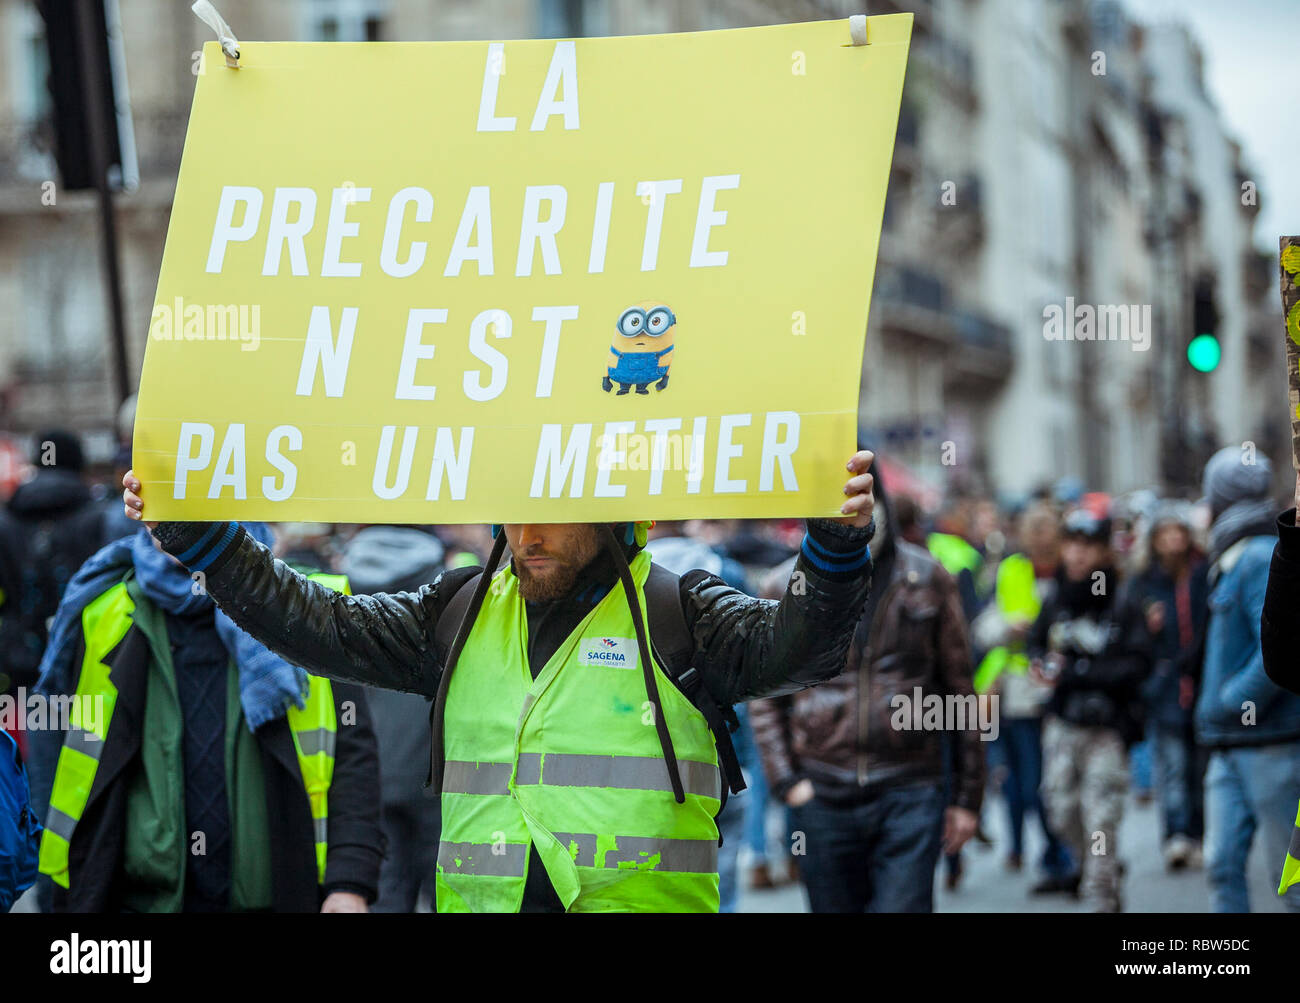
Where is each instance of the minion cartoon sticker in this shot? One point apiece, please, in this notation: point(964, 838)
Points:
point(642, 350)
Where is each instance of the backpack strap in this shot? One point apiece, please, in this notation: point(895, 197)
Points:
point(444, 633)
point(674, 646)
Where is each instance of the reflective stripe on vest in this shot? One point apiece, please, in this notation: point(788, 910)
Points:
point(1017, 599)
point(104, 622)
point(570, 763)
point(1291, 866)
point(315, 731)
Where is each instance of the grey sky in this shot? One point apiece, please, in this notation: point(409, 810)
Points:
point(1249, 48)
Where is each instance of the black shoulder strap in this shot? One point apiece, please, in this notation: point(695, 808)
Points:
point(674, 646)
point(452, 614)
point(669, 634)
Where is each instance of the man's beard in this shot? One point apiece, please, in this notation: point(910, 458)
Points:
point(557, 580)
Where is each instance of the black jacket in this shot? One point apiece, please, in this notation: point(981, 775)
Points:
point(1107, 651)
point(1171, 660)
point(355, 840)
point(1279, 625)
point(744, 647)
point(49, 528)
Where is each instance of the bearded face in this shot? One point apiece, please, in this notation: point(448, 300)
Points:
point(548, 557)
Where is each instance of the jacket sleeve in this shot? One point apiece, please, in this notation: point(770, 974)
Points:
point(356, 841)
point(1252, 684)
point(956, 677)
point(383, 640)
point(747, 648)
point(770, 719)
point(1279, 627)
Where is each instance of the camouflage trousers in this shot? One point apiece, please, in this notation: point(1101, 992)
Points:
point(1085, 780)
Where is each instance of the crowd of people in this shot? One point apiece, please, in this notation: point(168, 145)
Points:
point(1093, 644)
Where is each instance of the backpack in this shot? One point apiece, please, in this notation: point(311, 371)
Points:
point(673, 647)
point(20, 833)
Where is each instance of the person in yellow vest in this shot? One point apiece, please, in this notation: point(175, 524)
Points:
point(198, 772)
point(577, 762)
point(1023, 580)
point(950, 546)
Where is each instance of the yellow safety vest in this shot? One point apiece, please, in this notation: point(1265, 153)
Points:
point(1291, 866)
point(570, 762)
point(104, 622)
point(954, 553)
point(1017, 598)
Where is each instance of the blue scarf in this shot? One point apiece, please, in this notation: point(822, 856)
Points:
point(267, 683)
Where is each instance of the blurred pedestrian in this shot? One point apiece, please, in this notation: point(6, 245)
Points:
point(50, 526)
point(951, 546)
point(869, 795)
point(1090, 644)
point(1023, 581)
point(1250, 726)
point(400, 559)
point(1171, 585)
point(20, 833)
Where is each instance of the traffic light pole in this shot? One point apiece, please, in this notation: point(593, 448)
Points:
point(97, 133)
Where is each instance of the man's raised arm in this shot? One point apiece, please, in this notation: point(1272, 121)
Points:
point(747, 647)
point(382, 640)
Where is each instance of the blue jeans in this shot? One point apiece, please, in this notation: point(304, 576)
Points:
point(756, 792)
point(1140, 765)
point(1021, 742)
point(878, 856)
point(1249, 790)
point(1179, 781)
point(731, 827)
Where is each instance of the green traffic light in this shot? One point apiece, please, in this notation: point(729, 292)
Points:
point(1203, 353)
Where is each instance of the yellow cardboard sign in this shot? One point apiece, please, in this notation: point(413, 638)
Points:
point(533, 281)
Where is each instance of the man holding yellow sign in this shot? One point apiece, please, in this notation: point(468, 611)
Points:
point(580, 766)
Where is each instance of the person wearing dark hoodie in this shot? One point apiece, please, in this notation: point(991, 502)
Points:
point(876, 798)
point(1249, 724)
point(50, 525)
point(400, 559)
point(198, 772)
point(576, 774)
point(1090, 644)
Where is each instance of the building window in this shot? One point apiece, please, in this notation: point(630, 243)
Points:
point(572, 18)
point(345, 20)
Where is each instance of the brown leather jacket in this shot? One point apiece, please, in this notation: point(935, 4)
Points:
point(848, 735)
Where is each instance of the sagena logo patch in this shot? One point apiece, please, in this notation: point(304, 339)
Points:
point(610, 652)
